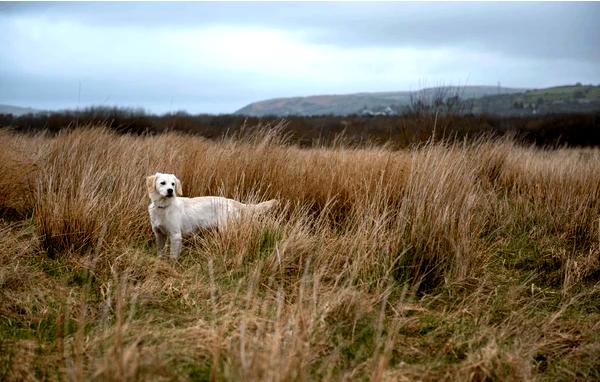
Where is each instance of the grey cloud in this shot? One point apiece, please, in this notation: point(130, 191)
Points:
point(542, 30)
point(545, 30)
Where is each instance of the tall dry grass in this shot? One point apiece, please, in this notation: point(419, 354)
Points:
point(461, 261)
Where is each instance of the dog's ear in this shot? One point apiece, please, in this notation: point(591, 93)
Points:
point(151, 183)
point(178, 188)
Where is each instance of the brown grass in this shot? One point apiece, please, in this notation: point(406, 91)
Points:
point(473, 261)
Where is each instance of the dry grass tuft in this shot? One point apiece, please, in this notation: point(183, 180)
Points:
point(455, 261)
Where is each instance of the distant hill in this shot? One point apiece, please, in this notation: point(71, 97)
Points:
point(493, 100)
point(559, 99)
point(361, 102)
point(474, 99)
point(16, 110)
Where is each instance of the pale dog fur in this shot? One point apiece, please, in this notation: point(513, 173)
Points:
point(173, 216)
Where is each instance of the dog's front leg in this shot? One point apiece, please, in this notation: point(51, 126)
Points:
point(161, 238)
point(175, 244)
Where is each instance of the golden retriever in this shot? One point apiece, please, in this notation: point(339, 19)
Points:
point(173, 216)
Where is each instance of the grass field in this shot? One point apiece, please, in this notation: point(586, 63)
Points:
point(467, 261)
point(562, 93)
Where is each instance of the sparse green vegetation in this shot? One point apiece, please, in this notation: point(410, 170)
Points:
point(459, 261)
point(562, 93)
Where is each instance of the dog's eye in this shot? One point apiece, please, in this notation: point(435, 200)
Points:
point(172, 184)
point(163, 183)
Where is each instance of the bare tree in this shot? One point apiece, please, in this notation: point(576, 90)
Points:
point(438, 100)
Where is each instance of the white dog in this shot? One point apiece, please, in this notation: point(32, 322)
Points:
point(172, 216)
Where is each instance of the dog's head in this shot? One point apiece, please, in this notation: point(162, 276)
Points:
point(163, 186)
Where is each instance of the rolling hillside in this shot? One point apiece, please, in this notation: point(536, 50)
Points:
point(480, 100)
point(558, 99)
point(360, 102)
point(16, 110)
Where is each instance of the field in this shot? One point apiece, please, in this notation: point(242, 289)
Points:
point(465, 261)
point(563, 93)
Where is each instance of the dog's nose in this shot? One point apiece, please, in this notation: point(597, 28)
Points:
point(170, 191)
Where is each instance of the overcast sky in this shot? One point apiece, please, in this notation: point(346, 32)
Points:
point(218, 57)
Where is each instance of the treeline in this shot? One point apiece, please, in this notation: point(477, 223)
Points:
point(575, 130)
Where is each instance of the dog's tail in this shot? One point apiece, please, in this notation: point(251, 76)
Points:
point(266, 206)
